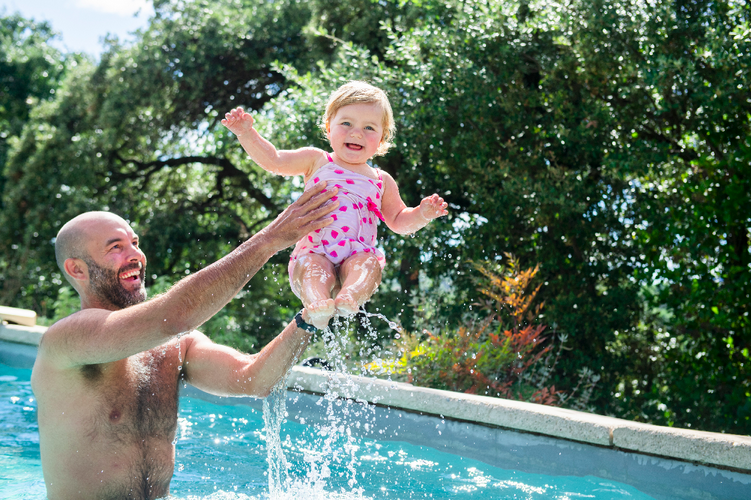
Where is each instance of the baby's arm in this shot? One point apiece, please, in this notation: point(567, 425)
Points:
point(301, 161)
point(405, 220)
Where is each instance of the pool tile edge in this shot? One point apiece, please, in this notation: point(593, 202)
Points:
point(29, 335)
point(724, 450)
point(728, 450)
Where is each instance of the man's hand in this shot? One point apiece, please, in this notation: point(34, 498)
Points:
point(433, 207)
point(238, 122)
point(310, 212)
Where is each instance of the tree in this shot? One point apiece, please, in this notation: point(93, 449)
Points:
point(30, 72)
point(676, 75)
point(606, 141)
point(585, 138)
point(492, 114)
point(138, 133)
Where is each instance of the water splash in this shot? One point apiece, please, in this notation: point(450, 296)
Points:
point(179, 351)
point(347, 418)
point(274, 414)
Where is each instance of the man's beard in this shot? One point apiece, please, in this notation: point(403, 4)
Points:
point(105, 284)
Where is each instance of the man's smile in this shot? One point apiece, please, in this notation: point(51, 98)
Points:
point(133, 274)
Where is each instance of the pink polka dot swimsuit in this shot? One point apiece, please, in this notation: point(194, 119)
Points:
point(354, 229)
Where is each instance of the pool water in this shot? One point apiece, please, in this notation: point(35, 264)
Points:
point(21, 467)
point(223, 448)
point(222, 454)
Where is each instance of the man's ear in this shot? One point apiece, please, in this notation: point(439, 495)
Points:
point(76, 269)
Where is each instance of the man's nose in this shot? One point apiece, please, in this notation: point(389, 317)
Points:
point(136, 254)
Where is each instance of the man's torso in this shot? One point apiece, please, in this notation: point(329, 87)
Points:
point(107, 431)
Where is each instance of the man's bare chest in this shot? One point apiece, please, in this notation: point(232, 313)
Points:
point(137, 399)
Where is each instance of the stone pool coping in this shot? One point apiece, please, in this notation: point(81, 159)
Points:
point(709, 448)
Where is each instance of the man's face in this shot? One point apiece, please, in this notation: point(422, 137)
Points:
point(106, 284)
point(117, 266)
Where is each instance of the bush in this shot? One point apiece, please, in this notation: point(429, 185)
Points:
point(498, 355)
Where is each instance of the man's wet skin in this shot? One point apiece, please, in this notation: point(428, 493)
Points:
point(109, 429)
point(106, 378)
point(112, 435)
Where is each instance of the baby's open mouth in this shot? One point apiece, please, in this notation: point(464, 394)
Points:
point(351, 145)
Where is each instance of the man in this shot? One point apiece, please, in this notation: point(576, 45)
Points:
point(106, 378)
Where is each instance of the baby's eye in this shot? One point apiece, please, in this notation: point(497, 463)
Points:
point(369, 128)
point(346, 124)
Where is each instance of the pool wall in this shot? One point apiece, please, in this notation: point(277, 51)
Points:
point(724, 450)
point(661, 461)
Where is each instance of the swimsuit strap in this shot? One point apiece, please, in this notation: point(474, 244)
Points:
point(328, 156)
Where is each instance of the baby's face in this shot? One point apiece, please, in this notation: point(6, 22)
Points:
point(356, 131)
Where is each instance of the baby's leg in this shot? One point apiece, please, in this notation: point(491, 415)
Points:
point(360, 276)
point(313, 278)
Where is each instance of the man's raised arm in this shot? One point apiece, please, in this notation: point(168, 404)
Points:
point(94, 335)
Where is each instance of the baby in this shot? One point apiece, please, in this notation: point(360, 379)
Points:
point(336, 269)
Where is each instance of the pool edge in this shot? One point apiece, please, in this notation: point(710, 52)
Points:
point(709, 448)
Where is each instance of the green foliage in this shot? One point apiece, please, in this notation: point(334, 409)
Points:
point(477, 361)
point(680, 94)
point(30, 71)
point(488, 108)
point(491, 356)
point(131, 135)
point(607, 140)
point(30, 75)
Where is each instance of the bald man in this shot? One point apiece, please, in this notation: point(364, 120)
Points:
point(106, 378)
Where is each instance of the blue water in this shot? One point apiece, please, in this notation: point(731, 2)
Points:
point(222, 454)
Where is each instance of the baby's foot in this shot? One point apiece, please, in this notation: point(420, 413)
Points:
point(346, 305)
point(320, 312)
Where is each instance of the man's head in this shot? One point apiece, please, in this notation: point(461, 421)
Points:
point(98, 254)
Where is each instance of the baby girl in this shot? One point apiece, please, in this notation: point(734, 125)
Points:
point(336, 269)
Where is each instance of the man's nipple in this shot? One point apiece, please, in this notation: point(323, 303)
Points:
point(115, 415)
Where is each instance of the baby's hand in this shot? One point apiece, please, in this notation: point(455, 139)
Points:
point(238, 121)
point(433, 207)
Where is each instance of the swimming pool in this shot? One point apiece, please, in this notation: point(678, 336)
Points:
point(222, 454)
point(364, 451)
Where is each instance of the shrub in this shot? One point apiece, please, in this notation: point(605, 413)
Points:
point(493, 356)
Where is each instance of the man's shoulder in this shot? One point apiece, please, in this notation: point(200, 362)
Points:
point(60, 328)
point(60, 336)
point(48, 366)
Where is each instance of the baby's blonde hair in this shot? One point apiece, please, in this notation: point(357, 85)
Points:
point(357, 92)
